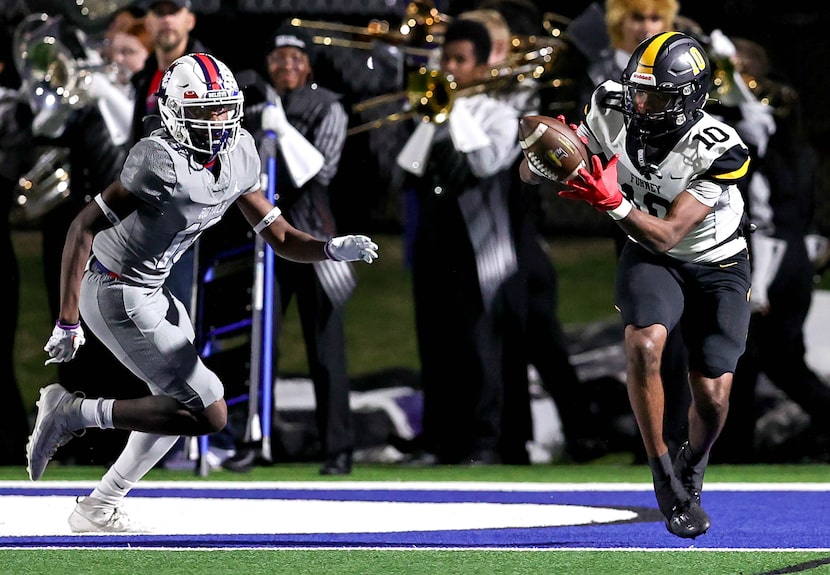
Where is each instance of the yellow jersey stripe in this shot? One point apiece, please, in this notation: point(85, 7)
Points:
point(739, 173)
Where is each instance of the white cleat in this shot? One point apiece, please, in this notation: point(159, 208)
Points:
point(58, 418)
point(92, 515)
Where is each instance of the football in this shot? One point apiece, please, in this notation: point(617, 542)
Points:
point(552, 147)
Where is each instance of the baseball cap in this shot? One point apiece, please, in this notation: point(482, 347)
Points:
point(148, 5)
point(294, 36)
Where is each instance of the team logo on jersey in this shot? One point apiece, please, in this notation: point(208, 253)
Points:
point(212, 211)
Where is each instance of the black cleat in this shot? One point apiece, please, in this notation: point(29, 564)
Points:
point(688, 520)
point(690, 472)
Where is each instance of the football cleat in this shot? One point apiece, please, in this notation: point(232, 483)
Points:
point(58, 420)
point(690, 473)
point(688, 520)
point(92, 515)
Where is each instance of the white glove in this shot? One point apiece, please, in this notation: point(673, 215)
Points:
point(115, 106)
point(720, 46)
point(767, 253)
point(351, 249)
point(757, 125)
point(273, 118)
point(64, 343)
point(413, 156)
point(466, 132)
point(51, 122)
point(302, 159)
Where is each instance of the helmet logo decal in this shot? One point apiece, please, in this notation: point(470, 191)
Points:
point(643, 78)
point(698, 60)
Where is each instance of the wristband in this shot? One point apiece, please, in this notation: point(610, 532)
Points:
point(267, 220)
point(621, 211)
point(67, 326)
point(114, 219)
point(327, 251)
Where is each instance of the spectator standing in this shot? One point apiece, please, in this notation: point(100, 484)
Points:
point(128, 44)
point(667, 173)
point(461, 176)
point(175, 184)
point(531, 295)
point(627, 22)
point(296, 107)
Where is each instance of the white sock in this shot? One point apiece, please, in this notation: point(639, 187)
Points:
point(140, 455)
point(97, 413)
point(112, 487)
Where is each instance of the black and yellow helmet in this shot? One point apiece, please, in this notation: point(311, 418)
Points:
point(665, 83)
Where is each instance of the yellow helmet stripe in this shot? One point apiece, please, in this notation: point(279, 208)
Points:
point(734, 175)
point(646, 63)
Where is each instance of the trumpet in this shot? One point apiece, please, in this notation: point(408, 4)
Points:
point(419, 28)
point(430, 94)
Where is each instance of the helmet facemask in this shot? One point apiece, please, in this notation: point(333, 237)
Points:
point(651, 112)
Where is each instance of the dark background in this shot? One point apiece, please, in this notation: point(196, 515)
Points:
point(797, 38)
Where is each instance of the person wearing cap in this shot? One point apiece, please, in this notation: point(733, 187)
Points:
point(170, 24)
point(303, 126)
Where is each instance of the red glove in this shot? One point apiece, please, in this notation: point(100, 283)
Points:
point(600, 189)
point(573, 127)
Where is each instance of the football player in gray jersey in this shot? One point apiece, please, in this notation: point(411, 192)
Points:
point(175, 184)
point(670, 182)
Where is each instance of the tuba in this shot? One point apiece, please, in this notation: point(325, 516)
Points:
point(43, 188)
point(56, 70)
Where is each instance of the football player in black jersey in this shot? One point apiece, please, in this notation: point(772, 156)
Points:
point(668, 174)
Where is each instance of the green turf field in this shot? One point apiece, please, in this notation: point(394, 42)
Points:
point(359, 562)
point(381, 335)
point(427, 562)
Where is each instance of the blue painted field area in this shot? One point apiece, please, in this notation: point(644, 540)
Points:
point(419, 515)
